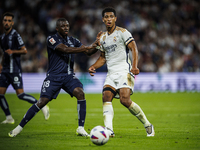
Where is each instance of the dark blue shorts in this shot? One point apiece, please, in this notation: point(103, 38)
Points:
point(11, 78)
point(52, 86)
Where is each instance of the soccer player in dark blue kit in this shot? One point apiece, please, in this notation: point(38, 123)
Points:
point(60, 75)
point(10, 69)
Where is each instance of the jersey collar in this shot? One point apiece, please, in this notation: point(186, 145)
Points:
point(61, 36)
point(113, 30)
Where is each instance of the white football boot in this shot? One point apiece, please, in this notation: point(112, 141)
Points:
point(110, 132)
point(150, 130)
point(81, 132)
point(8, 121)
point(15, 131)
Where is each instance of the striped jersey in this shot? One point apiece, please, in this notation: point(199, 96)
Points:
point(60, 64)
point(116, 50)
point(13, 41)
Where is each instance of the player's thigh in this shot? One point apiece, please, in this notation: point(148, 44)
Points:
point(50, 88)
point(3, 90)
point(126, 80)
point(4, 82)
point(16, 80)
point(19, 91)
point(124, 94)
point(71, 84)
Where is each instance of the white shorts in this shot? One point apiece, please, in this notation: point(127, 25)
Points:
point(120, 80)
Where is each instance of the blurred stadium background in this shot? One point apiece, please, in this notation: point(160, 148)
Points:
point(167, 33)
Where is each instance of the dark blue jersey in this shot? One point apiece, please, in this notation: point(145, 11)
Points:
point(11, 41)
point(60, 64)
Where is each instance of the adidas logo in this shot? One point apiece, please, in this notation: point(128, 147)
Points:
point(124, 83)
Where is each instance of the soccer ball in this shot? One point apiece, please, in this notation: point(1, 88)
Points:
point(99, 135)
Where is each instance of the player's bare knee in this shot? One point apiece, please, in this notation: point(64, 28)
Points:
point(42, 102)
point(78, 93)
point(125, 101)
point(107, 97)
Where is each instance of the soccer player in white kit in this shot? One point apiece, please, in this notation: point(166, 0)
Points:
point(119, 83)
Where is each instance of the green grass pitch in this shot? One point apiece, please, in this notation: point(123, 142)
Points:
point(176, 117)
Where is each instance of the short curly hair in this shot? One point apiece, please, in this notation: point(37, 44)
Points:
point(108, 9)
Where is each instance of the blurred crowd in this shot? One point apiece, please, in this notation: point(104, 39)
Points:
point(167, 32)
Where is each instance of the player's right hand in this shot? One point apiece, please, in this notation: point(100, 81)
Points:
point(9, 51)
point(135, 71)
point(91, 70)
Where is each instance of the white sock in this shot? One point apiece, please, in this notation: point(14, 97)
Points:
point(17, 130)
point(108, 115)
point(137, 111)
point(9, 117)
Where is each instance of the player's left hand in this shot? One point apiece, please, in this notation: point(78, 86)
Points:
point(135, 71)
point(91, 70)
point(9, 51)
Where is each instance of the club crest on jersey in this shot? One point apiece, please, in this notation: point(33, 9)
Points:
point(115, 39)
point(52, 41)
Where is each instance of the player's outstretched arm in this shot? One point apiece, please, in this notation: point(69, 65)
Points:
point(99, 63)
point(71, 50)
point(132, 46)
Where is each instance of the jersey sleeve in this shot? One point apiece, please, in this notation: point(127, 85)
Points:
point(126, 36)
point(77, 43)
point(18, 41)
point(52, 42)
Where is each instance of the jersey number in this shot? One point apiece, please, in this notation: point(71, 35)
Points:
point(45, 84)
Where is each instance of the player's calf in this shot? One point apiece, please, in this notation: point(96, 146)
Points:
point(28, 98)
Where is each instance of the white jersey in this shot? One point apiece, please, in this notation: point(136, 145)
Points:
point(116, 50)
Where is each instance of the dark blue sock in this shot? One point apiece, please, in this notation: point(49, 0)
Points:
point(29, 115)
point(27, 98)
point(81, 108)
point(4, 105)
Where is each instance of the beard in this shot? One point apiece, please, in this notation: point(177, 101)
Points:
point(7, 28)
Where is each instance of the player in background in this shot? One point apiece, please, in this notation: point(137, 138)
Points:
point(60, 74)
point(10, 68)
point(119, 83)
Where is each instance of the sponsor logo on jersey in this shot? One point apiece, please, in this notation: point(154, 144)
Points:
point(111, 48)
point(16, 78)
point(52, 41)
point(16, 81)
